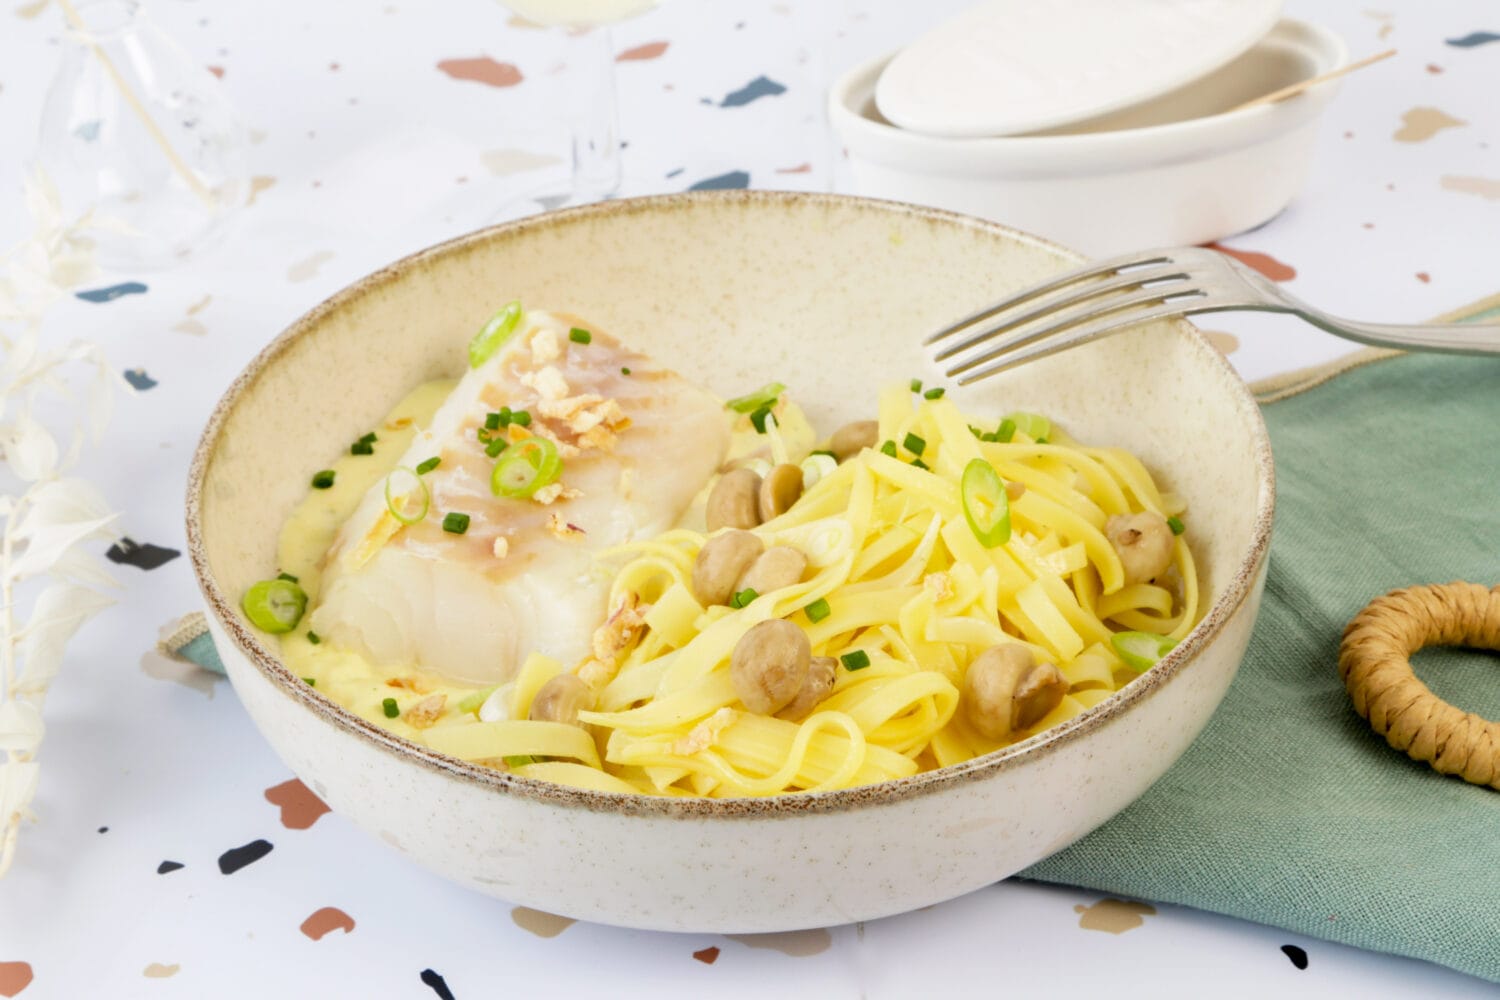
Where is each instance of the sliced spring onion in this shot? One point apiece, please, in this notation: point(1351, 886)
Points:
point(455, 523)
point(471, 701)
point(818, 610)
point(530, 465)
point(492, 421)
point(624, 371)
point(274, 606)
point(759, 417)
point(766, 395)
point(918, 463)
point(1033, 425)
point(369, 438)
point(986, 506)
point(856, 660)
point(1006, 431)
point(495, 446)
point(1175, 523)
point(744, 598)
point(936, 393)
point(406, 495)
point(520, 760)
point(1141, 650)
point(888, 448)
point(914, 444)
point(311, 682)
point(314, 638)
point(322, 480)
point(521, 418)
point(390, 708)
point(815, 467)
point(579, 335)
point(429, 465)
point(494, 333)
point(289, 578)
point(916, 385)
point(361, 448)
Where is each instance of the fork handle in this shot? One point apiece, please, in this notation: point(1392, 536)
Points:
point(1448, 338)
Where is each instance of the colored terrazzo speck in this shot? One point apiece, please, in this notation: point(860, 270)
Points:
point(14, 977)
point(325, 921)
point(432, 979)
point(1297, 955)
point(1263, 262)
point(761, 86)
point(483, 70)
point(708, 956)
point(112, 292)
point(168, 866)
point(236, 858)
point(723, 182)
point(128, 552)
point(1474, 38)
point(300, 808)
point(139, 380)
point(651, 50)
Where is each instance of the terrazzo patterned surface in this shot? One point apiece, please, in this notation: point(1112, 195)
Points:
point(177, 857)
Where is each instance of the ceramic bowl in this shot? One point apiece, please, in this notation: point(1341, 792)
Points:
point(1178, 170)
point(830, 295)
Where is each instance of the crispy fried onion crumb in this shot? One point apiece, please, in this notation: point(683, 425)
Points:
point(563, 529)
point(703, 735)
point(619, 630)
point(553, 492)
point(544, 346)
point(939, 585)
point(595, 674)
point(595, 421)
point(425, 712)
point(398, 423)
point(415, 684)
point(548, 383)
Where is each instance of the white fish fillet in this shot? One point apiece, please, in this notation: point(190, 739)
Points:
point(636, 449)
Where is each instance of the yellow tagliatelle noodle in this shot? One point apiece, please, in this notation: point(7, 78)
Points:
point(909, 587)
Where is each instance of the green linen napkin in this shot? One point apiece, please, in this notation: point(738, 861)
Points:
point(1288, 809)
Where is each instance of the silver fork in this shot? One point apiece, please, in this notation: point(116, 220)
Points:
point(1113, 295)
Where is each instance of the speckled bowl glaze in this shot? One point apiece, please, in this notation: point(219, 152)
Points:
point(830, 295)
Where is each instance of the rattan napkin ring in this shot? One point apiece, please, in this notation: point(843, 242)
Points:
point(1375, 664)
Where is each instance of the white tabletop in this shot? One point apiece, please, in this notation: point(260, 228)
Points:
point(369, 151)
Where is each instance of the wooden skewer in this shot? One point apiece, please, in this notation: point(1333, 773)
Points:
point(183, 170)
point(1297, 88)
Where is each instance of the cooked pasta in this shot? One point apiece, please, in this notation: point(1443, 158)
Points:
point(899, 589)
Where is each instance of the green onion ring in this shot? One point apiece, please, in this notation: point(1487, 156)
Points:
point(397, 504)
point(494, 333)
point(986, 505)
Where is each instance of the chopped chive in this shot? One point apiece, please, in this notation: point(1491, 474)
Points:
point(624, 371)
point(823, 451)
point(361, 448)
point(492, 421)
point(936, 393)
point(856, 660)
point(1005, 431)
point(311, 682)
point(758, 418)
point(989, 437)
point(369, 438)
point(521, 418)
point(1175, 523)
point(744, 598)
point(390, 708)
point(495, 447)
point(578, 335)
point(1042, 439)
point(916, 385)
point(455, 523)
point(766, 395)
point(914, 444)
point(289, 578)
point(976, 432)
point(888, 448)
point(519, 760)
point(918, 463)
point(818, 610)
point(322, 480)
point(314, 638)
point(425, 467)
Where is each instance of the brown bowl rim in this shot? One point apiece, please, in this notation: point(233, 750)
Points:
point(880, 794)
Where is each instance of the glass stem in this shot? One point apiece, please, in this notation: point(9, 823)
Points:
point(596, 117)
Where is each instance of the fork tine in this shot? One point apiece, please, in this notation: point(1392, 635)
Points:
point(1066, 278)
point(1074, 296)
point(1101, 327)
point(1067, 319)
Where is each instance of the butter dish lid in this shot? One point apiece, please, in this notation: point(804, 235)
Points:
point(1005, 67)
